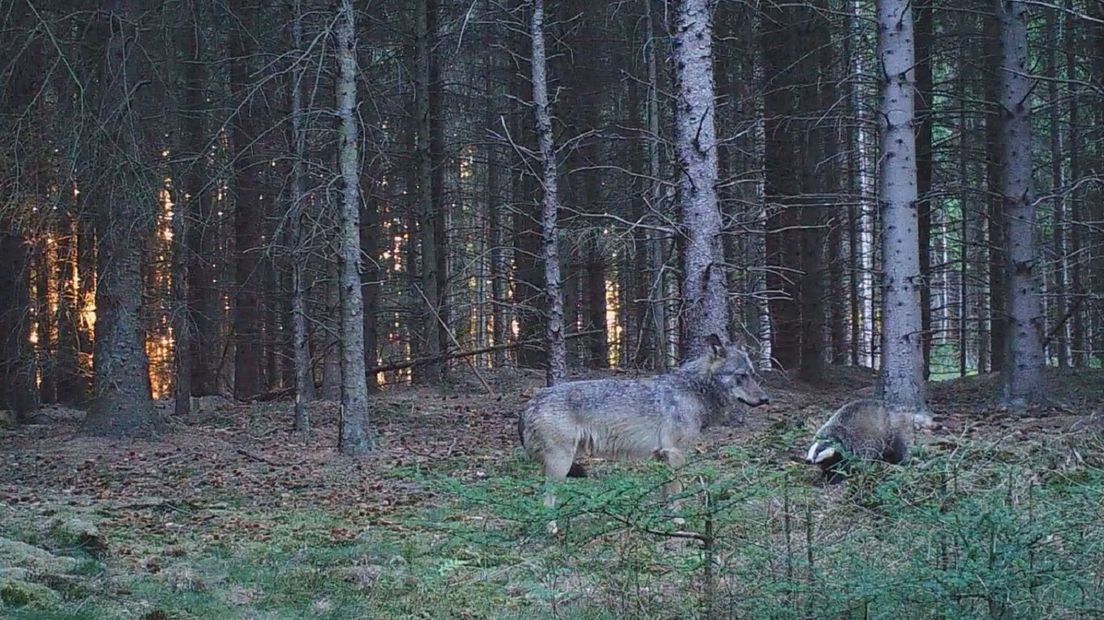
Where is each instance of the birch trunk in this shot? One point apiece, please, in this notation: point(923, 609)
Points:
point(1023, 373)
point(554, 332)
point(355, 439)
point(703, 286)
point(902, 365)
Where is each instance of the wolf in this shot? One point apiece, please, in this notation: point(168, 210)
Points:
point(659, 417)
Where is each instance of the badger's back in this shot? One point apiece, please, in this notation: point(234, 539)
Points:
point(869, 430)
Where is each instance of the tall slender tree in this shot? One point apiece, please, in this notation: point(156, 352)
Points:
point(703, 284)
point(550, 203)
point(1077, 321)
point(300, 337)
point(1023, 372)
point(996, 219)
point(924, 22)
point(426, 109)
point(901, 379)
point(655, 247)
point(247, 207)
point(1058, 229)
point(355, 438)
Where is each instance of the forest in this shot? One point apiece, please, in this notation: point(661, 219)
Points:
point(308, 307)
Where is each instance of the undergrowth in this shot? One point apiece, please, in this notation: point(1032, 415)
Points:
point(973, 532)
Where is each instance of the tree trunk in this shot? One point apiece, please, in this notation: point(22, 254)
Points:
point(924, 33)
point(44, 323)
point(355, 438)
point(72, 386)
point(1095, 208)
point(189, 261)
point(370, 232)
point(182, 325)
point(703, 286)
point(817, 179)
point(439, 297)
point(1023, 372)
point(121, 406)
point(427, 182)
point(554, 331)
point(595, 290)
point(655, 249)
point(855, 208)
point(17, 380)
point(499, 269)
point(331, 337)
point(998, 315)
point(782, 167)
point(1077, 321)
point(1058, 229)
point(902, 379)
point(247, 211)
point(966, 215)
point(300, 336)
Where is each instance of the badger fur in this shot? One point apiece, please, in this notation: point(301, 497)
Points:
point(863, 430)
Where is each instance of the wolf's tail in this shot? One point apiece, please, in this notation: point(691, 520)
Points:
point(521, 429)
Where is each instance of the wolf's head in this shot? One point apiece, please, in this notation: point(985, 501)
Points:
point(731, 368)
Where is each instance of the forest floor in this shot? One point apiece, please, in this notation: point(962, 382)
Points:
point(229, 514)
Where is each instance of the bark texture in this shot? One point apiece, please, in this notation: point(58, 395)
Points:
point(247, 212)
point(427, 108)
point(703, 287)
point(902, 365)
point(300, 337)
point(121, 404)
point(550, 205)
point(1023, 372)
point(355, 438)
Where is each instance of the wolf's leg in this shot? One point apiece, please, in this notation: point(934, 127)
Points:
point(675, 458)
point(577, 470)
point(556, 466)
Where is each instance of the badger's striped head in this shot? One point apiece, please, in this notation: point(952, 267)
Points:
point(825, 453)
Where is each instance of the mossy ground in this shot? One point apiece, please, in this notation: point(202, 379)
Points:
point(230, 515)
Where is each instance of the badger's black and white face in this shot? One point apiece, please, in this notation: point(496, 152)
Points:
point(824, 453)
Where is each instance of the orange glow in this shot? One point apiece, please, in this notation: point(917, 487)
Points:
point(159, 335)
point(613, 324)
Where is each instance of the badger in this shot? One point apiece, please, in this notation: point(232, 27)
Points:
point(864, 430)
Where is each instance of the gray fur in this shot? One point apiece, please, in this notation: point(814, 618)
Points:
point(658, 417)
point(863, 430)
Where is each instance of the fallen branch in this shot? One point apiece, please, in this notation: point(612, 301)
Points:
point(289, 392)
point(1062, 321)
point(451, 356)
point(262, 458)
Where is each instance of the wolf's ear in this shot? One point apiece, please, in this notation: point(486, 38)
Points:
point(716, 347)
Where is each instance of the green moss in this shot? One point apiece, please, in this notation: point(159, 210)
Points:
point(18, 593)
